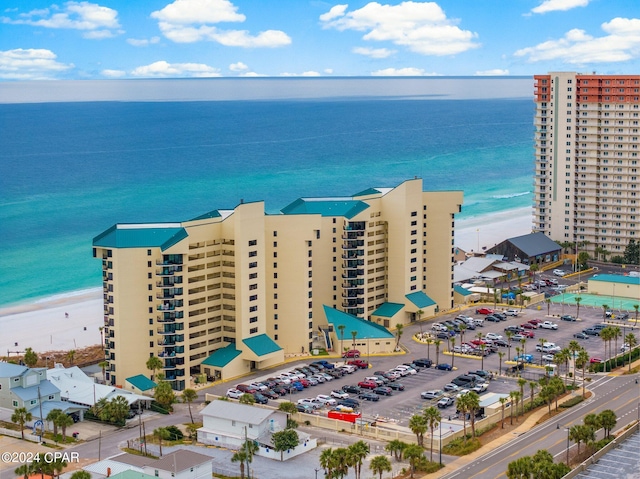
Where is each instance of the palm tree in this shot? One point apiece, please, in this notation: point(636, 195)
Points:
point(340, 462)
point(433, 418)
point(437, 343)
point(521, 384)
point(631, 341)
point(70, 356)
point(52, 418)
point(154, 364)
point(636, 307)
point(239, 456)
point(25, 470)
point(532, 389)
point(81, 474)
point(578, 299)
point(21, 416)
point(429, 341)
point(523, 342)
point(509, 335)
point(512, 395)
point(500, 356)
point(378, 465)
point(473, 403)
point(452, 343)
point(188, 396)
point(399, 330)
point(541, 342)
point(353, 339)
point(341, 328)
point(160, 433)
point(516, 398)
point(606, 334)
point(419, 314)
point(574, 347)
point(64, 421)
point(463, 328)
point(358, 451)
point(616, 333)
point(396, 447)
point(418, 426)
point(582, 359)
point(462, 405)
point(605, 308)
point(503, 401)
point(483, 348)
point(325, 461)
point(548, 301)
point(413, 453)
point(103, 365)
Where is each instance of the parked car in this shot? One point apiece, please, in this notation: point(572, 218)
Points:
point(339, 394)
point(234, 393)
point(513, 329)
point(450, 387)
point(325, 363)
point(492, 318)
point(512, 312)
point(245, 388)
point(383, 391)
point(559, 272)
point(271, 394)
point(359, 363)
point(313, 402)
point(529, 326)
point(260, 398)
point(444, 367)
point(326, 400)
point(432, 394)
point(484, 311)
point(548, 358)
point(502, 316)
point(486, 375)
point(305, 408)
point(535, 321)
point(423, 362)
point(596, 360)
point(528, 334)
point(525, 358)
point(548, 325)
point(396, 386)
point(445, 402)
point(348, 368)
point(369, 396)
point(351, 389)
point(501, 342)
point(367, 384)
point(493, 336)
point(591, 331)
point(518, 337)
point(581, 335)
point(480, 388)
point(352, 353)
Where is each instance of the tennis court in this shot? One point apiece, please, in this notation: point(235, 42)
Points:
point(616, 303)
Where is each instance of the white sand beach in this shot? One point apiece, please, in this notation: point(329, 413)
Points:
point(44, 327)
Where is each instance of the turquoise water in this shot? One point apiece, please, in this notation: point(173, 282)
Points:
point(70, 170)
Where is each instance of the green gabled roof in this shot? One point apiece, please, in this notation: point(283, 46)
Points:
point(420, 299)
point(207, 215)
point(261, 345)
point(223, 356)
point(367, 192)
point(364, 329)
point(141, 382)
point(460, 290)
point(140, 236)
point(616, 278)
point(388, 310)
point(345, 207)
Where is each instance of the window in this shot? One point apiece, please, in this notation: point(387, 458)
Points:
point(253, 265)
point(253, 242)
point(253, 330)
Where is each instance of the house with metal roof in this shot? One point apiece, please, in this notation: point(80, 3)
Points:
point(528, 249)
point(140, 383)
point(351, 332)
point(229, 424)
point(178, 464)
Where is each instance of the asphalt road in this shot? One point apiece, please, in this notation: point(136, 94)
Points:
point(621, 394)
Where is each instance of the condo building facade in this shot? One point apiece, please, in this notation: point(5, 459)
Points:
point(587, 164)
point(236, 290)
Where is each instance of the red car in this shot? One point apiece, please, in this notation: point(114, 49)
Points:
point(529, 326)
point(352, 353)
point(245, 388)
point(478, 342)
point(359, 363)
point(595, 360)
point(535, 321)
point(484, 311)
point(528, 334)
point(304, 382)
point(367, 384)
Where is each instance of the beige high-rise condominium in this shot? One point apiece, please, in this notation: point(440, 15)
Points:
point(236, 290)
point(587, 165)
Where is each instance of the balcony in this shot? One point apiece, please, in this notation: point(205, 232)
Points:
point(354, 283)
point(353, 263)
point(169, 270)
point(170, 259)
point(353, 293)
point(353, 254)
point(353, 244)
point(352, 273)
point(170, 328)
point(352, 303)
point(170, 305)
point(169, 293)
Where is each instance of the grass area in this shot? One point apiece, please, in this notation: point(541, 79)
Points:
point(462, 447)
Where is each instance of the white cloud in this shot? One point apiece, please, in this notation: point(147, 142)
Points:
point(164, 69)
point(494, 72)
point(113, 73)
point(335, 12)
point(621, 43)
point(189, 21)
point(555, 5)
point(30, 64)
point(94, 20)
point(310, 73)
point(238, 67)
point(402, 72)
point(373, 52)
point(328, 71)
point(143, 42)
point(252, 74)
point(421, 27)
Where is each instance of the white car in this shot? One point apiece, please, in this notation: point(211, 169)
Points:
point(548, 325)
point(550, 358)
point(559, 272)
point(313, 402)
point(493, 336)
point(480, 388)
point(512, 312)
point(326, 400)
point(462, 392)
point(258, 386)
point(234, 393)
point(404, 367)
point(349, 368)
point(339, 394)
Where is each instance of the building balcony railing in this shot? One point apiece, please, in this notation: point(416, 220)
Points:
point(353, 264)
point(354, 283)
point(168, 262)
point(169, 293)
point(354, 311)
point(352, 303)
point(353, 273)
point(169, 271)
point(353, 254)
point(353, 235)
point(353, 244)
point(353, 293)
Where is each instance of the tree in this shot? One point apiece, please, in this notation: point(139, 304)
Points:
point(516, 398)
point(71, 356)
point(578, 300)
point(413, 453)
point(52, 417)
point(64, 421)
point(288, 407)
point(103, 365)
point(616, 333)
point(532, 388)
point(548, 301)
point(503, 401)
point(326, 463)
point(247, 398)
point(341, 328)
point(188, 396)
point(632, 253)
point(582, 359)
point(23, 470)
point(81, 474)
point(631, 342)
point(340, 462)
point(509, 335)
point(452, 342)
point(483, 348)
point(161, 433)
point(379, 464)
point(608, 421)
point(636, 307)
point(512, 396)
point(58, 466)
point(462, 406)
point(521, 468)
point(115, 411)
point(605, 308)
point(241, 457)
point(574, 347)
point(358, 451)
point(30, 358)
point(558, 388)
point(399, 331)
point(437, 343)
point(429, 342)
point(164, 395)
point(432, 417)
point(396, 447)
point(284, 440)
point(583, 260)
point(419, 314)
point(154, 364)
point(353, 339)
point(21, 416)
point(418, 426)
point(521, 384)
point(606, 334)
point(500, 356)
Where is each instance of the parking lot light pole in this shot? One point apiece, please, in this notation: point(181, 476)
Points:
point(440, 442)
point(567, 429)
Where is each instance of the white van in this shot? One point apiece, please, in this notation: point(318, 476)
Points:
point(478, 321)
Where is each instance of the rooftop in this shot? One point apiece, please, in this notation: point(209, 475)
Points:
point(237, 412)
point(163, 235)
point(616, 278)
point(420, 299)
point(261, 345)
point(388, 310)
point(364, 329)
point(141, 382)
point(223, 356)
point(345, 207)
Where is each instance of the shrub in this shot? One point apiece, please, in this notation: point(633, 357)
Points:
point(461, 447)
point(571, 402)
point(174, 433)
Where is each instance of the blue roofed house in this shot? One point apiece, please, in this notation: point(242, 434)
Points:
point(370, 337)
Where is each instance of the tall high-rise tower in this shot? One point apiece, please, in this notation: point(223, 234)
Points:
point(586, 167)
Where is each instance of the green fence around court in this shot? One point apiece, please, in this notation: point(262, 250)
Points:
point(594, 300)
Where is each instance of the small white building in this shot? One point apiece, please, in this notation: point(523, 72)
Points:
point(180, 464)
point(229, 424)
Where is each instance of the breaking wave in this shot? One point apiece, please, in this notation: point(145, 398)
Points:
point(512, 195)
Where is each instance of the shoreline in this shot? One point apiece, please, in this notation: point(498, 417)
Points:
point(43, 326)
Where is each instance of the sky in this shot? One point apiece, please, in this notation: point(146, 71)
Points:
point(125, 39)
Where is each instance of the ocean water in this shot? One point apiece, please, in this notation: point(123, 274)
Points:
point(70, 170)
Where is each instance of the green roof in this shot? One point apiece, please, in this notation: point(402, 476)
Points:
point(364, 329)
point(141, 382)
point(460, 290)
point(261, 345)
point(368, 192)
point(616, 278)
point(420, 299)
point(207, 215)
point(345, 207)
point(140, 236)
point(223, 356)
point(388, 310)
